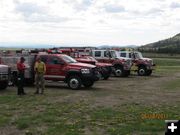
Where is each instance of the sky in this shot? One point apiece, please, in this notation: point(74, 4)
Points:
point(88, 22)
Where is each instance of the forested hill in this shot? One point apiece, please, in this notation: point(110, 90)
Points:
point(170, 45)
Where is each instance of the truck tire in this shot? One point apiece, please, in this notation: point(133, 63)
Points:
point(74, 82)
point(118, 71)
point(3, 85)
point(142, 71)
point(88, 83)
point(149, 72)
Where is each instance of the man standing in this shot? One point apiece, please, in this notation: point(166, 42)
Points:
point(40, 70)
point(21, 68)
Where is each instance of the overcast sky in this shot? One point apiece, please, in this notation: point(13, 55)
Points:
point(88, 22)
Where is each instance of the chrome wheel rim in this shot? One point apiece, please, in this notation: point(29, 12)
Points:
point(74, 83)
point(118, 72)
point(141, 71)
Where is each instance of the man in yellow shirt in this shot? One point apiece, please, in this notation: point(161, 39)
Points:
point(40, 70)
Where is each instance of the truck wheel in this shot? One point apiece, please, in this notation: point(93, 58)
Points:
point(118, 71)
point(74, 82)
point(3, 85)
point(88, 83)
point(149, 72)
point(142, 71)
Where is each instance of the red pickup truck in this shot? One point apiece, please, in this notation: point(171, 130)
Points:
point(61, 67)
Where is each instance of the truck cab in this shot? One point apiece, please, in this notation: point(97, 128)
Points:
point(143, 66)
point(61, 67)
point(121, 65)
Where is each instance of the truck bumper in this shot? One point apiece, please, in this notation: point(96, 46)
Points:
point(91, 77)
point(94, 75)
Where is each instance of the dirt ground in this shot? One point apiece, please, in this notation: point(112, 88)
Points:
point(114, 91)
point(147, 91)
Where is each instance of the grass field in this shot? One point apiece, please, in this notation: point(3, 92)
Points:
point(162, 55)
point(119, 106)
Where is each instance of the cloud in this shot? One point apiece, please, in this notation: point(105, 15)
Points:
point(86, 2)
point(154, 11)
point(112, 8)
point(34, 13)
point(175, 5)
point(47, 20)
point(80, 5)
point(36, 18)
point(28, 9)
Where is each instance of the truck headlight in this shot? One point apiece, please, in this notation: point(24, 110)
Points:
point(85, 71)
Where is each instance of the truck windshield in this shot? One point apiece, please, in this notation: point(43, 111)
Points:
point(68, 59)
point(138, 55)
point(114, 54)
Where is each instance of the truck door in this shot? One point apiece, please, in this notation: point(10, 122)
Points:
point(135, 61)
point(108, 58)
point(55, 68)
point(97, 54)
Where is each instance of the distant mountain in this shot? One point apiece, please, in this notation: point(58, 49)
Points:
point(117, 46)
point(170, 42)
point(170, 45)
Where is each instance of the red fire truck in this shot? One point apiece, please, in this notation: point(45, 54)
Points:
point(83, 55)
point(143, 66)
point(60, 67)
point(121, 65)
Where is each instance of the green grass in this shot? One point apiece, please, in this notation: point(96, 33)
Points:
point(74, 118)
point(173, 85)
point(161, 55)
point(167, 66)
point(166, 62)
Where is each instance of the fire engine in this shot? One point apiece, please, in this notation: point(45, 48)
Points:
point(59, 67)
point(121, 65)
point(143, 66)
point(83, 55)
point(12, 59)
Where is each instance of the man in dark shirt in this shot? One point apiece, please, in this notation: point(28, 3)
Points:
point(21, 68)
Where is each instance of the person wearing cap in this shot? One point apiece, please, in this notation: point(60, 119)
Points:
point(40, 70)
point(21, 69)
